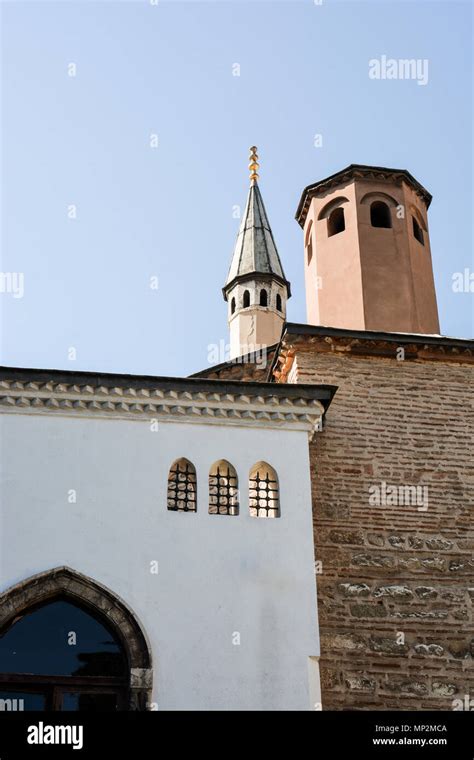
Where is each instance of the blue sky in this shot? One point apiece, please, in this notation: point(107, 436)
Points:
point(167, 212)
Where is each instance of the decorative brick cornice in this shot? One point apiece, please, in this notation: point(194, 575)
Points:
point(310, 338)
point(210, 402)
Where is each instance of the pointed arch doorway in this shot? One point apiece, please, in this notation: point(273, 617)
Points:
point(68, 643)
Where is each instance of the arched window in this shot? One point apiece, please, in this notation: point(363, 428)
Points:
point(263, 297)
point(329, 207)
point(417, 231)
point(182, 486)
point(60, 656)
point(309, 243)
point(264, 500)
point(246, 299)
point(232, 306)
point(380, 215)
point(336, 223)
point(223, 489)
point(278, 302)
point(102, 635)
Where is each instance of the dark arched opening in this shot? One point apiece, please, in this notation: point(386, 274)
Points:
point(336, 222)
point(68, 644)
point(417, 231)
point(380, 215)
point(263, 298)
point(246, 300)
point(59, 656)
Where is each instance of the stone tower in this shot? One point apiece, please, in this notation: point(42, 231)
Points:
point(367, 252)
point(256, 288)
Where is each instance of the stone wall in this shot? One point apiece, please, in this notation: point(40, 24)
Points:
point(396, 581)
point(245, 369)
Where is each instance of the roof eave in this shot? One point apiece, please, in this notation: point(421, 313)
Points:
point(349, 173)
point(255, 275)
point(104, 381)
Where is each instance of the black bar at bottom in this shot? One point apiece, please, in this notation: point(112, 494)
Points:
point(368, 734)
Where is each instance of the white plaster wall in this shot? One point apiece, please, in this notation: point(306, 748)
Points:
point(217, 574)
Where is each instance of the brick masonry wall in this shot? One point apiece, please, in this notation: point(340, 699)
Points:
point(244, 369)
point(396, 587)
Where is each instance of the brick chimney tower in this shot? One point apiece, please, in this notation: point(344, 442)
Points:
point(367, 252)
point(256, 288)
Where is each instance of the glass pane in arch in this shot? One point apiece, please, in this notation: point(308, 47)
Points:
point(60, 638)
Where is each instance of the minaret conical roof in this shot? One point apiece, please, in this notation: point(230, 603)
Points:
point(255, 251)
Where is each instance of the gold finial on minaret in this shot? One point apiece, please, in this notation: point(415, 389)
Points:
point(253, 165)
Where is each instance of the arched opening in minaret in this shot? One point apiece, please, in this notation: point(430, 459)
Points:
point(263, 297)
point(278, 302)
point(380, 215)
point(246, 299)
point(336, 222)
point(232, 306)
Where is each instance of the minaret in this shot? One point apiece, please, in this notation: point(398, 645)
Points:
point(256, 288)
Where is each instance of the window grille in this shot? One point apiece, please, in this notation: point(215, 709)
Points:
point(264, 500)
point(223, 490)
point(182, 487)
